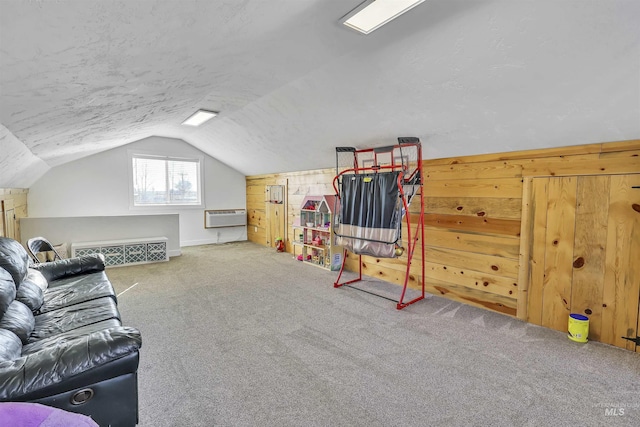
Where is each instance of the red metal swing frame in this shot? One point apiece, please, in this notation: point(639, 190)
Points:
point(413, 236)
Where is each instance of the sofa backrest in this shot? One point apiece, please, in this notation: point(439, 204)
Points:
point(14, 259)
point(15, 316)
point(7, 291)
point(10, 345)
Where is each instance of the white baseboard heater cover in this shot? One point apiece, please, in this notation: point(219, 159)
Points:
point(126, 251)
point(225, 218)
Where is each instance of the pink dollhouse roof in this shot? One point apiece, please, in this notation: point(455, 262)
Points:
point(328, 200)
point(316, 199)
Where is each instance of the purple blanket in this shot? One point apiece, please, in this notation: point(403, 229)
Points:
point(18, 414)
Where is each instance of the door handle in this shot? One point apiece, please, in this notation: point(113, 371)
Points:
point(635, 340)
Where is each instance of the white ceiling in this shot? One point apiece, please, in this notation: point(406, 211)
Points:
point(82, 76)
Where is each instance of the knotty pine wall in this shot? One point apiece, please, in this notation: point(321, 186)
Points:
point(477, 244)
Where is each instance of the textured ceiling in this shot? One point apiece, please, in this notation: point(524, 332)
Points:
point(78, 77)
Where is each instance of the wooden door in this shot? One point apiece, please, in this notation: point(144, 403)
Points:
point(275, 214)
point(8, 214)
point(584, 254)
point(622, 275)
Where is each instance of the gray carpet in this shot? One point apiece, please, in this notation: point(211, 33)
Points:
point(240, 335)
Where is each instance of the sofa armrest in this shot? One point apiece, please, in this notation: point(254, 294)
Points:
point(70, 364)
point(71, 266)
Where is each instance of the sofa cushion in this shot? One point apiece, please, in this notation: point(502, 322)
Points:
point(61, 338)
point(10, 345)
point(38, 278)
point(19, 320)
point(73, 317)
point(14, 259)
point(7, 291)
point(30, 295)
point(77, 289)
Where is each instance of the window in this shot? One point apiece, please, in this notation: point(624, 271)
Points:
point(165, 181)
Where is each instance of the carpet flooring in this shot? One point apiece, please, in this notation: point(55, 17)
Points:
point(239, 335)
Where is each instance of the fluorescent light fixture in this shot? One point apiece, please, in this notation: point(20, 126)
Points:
point(374, 14)
point(199, 117)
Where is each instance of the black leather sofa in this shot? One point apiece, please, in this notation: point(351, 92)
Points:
point(62, 342)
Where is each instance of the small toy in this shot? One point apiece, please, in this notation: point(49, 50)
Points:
point(279, 244)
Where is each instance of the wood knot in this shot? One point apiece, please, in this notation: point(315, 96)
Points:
point(485, 283)
point(588, 311)
point(459, 208)
point(555, 243)
point(481, 213)
point(495, 268)
point(578, 263)
point(636, 207)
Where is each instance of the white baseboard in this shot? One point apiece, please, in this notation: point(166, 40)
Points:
point(207, 242)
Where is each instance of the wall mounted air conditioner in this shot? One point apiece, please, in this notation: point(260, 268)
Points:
point(225, 218)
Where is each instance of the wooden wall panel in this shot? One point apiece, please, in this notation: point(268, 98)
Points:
point(485, 282)
point(536, 153)
point(475, 261)
point(483, 170)
point(584, 255)
point(556, 286)
point(472, 297)
point(474, 206)
point(592, 213)
point(495, 188)
point(474, 224)
point(526, 235)
point(622, 276)
point(299, 185)
point(591, 164)
point(476, 215)
point(507, 247)
point(539, 197)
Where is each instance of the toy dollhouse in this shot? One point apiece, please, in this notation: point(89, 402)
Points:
point(313, 241)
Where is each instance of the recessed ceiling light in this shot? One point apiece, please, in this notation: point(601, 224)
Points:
point(199, 117)
point(373, 14)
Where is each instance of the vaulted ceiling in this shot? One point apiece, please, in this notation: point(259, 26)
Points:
point(291, 83)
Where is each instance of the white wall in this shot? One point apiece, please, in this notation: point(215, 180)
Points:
point(98, 186)
point(79, 229)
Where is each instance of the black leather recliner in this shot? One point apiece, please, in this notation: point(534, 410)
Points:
point(62, 343)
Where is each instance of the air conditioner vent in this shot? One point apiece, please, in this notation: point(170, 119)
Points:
point(225, 218)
